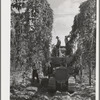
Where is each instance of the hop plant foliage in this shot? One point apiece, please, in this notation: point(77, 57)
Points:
point(31, 26)
point(84, 30)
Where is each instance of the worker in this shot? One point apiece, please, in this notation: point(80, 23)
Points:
point(35, 73)
point(58, 46)
point(68, 46)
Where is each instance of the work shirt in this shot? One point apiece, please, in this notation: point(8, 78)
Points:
point(58, 43)
point(36, 67)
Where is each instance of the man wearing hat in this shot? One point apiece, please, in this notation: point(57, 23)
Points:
point(68, 45)
point(58, 45)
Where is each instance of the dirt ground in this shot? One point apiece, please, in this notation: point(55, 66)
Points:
point(21, 88)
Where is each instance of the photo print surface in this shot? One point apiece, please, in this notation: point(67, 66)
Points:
point(53, 50)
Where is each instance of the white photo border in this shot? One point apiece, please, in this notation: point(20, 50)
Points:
point(5, 50)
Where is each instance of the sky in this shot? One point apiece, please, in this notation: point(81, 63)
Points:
point(64, 13)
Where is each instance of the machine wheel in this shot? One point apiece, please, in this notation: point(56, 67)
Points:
point(52, 85)
point(62, 86)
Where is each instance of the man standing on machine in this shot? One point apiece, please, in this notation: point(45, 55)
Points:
point(68, 46)
point(58, 46)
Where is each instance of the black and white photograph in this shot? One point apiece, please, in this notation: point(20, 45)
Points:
point(53, 49)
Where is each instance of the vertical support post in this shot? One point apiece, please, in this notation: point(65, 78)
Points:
point(89, 73)
point(81, 68)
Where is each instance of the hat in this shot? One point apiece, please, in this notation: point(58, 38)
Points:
point(57, 37)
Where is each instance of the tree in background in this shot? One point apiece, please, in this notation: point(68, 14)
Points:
point(31, 26)
point(84, 33)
